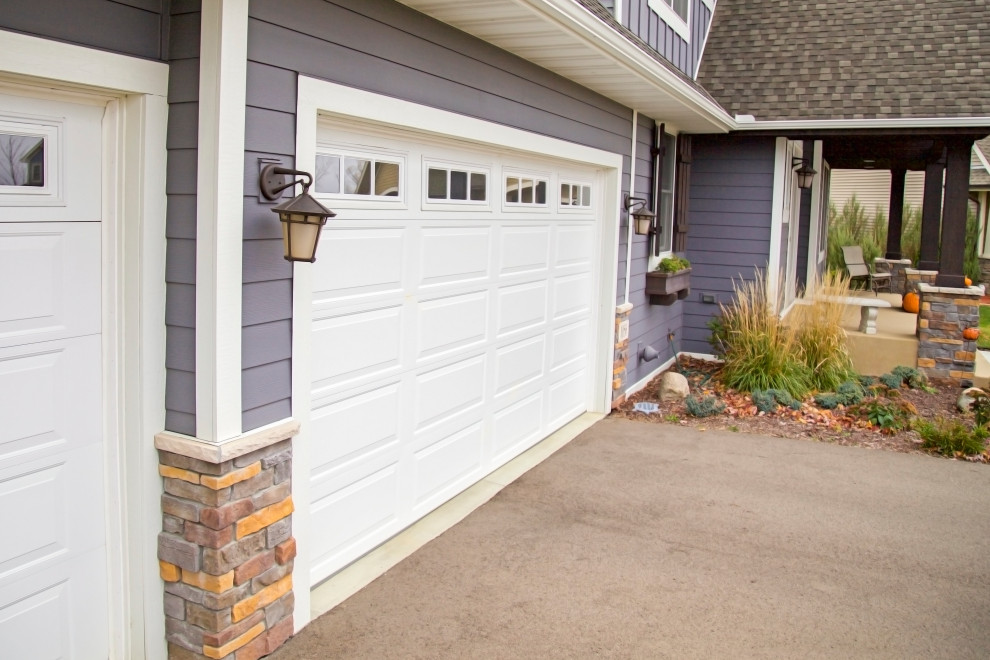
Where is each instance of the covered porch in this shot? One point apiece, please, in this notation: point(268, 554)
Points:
point(894, 344)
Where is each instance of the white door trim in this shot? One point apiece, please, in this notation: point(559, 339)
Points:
point(815, 240)
point(318, 96)
point(781, 167)
point(133, 313)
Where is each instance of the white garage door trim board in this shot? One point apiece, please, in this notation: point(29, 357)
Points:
point(319, 97)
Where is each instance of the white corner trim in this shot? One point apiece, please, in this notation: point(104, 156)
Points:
point(632, 193)
point(814, 238)
point(219, 218)
point(781, 167)
point(673, 19)
point(68, 63)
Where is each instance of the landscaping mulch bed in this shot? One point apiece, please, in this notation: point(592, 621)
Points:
point(809, 423)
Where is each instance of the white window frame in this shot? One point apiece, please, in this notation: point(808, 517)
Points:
point(50, 130)
point(350, 200)
point(569, 208)
point(449, 204)
point(526, 207)
point(682, 26)
point(666, 224)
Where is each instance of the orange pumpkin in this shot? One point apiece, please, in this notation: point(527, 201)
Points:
point(968, 281)
point(910, 302)
point(971, 333)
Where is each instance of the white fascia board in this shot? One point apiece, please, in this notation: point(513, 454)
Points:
point(67, 63)
point(785, 125)
point(220, 218)
point(612, 45)
point(982, 157)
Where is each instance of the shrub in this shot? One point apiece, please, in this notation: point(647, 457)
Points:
point(673, 264)
point(911, 376)
point(760, 352)
point(892, 380)
point(764, 400)
point(850, 392)
point(888, 415)
point(828, 400)
point(951, 438)
point(818, 327)
point(981, 408)
point(703, 406)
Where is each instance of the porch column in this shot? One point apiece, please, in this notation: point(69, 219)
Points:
point(957, 166)
point(896, 221)
point(931, 215)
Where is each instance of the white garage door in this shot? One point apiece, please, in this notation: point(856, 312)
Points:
point(53, 567)
point(452, 328)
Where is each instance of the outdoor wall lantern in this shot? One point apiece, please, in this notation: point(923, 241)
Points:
point(643, 218)
point(302, 216)
point(806, 174)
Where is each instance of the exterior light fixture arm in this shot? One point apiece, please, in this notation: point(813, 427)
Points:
point(273, 181)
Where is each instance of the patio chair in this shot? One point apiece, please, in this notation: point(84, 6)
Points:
point(859, 271)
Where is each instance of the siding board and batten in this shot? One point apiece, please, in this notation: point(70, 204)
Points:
point(647, 25)
point(731, 197)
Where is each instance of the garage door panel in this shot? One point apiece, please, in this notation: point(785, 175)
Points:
point(522, 307)
point(517, 427)
point(448, 391)
point(524, 250)
point(445, 467)
point(358, 262)
point(357, 346)
point(571, 296)
point(354, 426)
point(569, 344)
point(57, 270)
point(567, 399)
point(339, 535)
point(518, 364)
point(450, 255)
point(451, 323)
point(574, 246)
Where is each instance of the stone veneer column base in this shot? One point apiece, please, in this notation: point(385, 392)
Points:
point(915, 277)
point(896, 268)
point(944, 312)
point(620, 358)
point(984, 271)
point(226, 549)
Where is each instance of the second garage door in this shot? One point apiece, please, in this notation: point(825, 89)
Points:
point(451, 316)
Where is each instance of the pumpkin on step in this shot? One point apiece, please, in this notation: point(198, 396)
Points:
point(910, 302)
point(967, 281)
point(971, 333)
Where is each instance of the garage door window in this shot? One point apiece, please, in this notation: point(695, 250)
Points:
point(354, 175)
point(575, 195)
point(456, 185)
point(525, 191)
point(26, 162)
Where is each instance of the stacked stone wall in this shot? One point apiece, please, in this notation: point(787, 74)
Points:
point(620, 356)
point(984, 271)
point(898, 275)
point(226, 554)
point(915, 277)
point(943, 353)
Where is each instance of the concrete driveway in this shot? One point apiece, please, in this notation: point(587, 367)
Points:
point(651, 541)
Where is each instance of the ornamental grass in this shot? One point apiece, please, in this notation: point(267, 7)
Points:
point(818, 329)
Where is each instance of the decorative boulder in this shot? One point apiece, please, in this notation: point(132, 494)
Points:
point(673, 387)
point(966, 398)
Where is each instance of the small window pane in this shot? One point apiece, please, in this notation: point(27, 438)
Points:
point(387, 179)
point(437, 184)
point(479, 187)
point(526, 196)
point(512, 190)
point(565, 194)
point(585, 195)
point(541, 192)
point(327, 174)
point(458, 185)
point(22, 160)
point(357, 176)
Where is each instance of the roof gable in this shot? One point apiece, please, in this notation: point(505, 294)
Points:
point(849, 59)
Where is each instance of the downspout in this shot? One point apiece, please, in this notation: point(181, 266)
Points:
point(632, 193)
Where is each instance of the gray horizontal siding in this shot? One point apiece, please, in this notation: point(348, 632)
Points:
point(180, 228)
point(387, 48)
point(729, 224)
point(647, 25)
point(131, 28)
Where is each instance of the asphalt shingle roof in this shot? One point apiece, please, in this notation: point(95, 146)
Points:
point(849, 59)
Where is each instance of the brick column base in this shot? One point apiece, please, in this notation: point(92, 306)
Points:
point(621, 356)
point(915, 277)
point(896, 268)
point(226, 550)
point(943, 353)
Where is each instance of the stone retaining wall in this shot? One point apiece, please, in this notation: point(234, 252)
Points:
point(943, 353)
point(226, 554)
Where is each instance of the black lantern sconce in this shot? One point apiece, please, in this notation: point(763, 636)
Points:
point(644, 220)
point(302, 216)
point(806, 174)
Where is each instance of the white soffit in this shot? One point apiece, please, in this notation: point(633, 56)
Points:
point(564, 37)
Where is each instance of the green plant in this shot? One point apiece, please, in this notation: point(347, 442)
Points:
point(672, 418)
point(981, 408)
point(764, 400)
point(892, 380)
point(888, 415)
point(950, 437)
point(734, 428)
point(719, 335)
point(703, 406)
point(850, 392)
point(760, 352)
point(828, 400)
point(866, 381)
point(818, 328)
point(673, 264)
point(911, 376)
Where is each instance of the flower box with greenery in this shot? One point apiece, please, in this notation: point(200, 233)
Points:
point(670, 281)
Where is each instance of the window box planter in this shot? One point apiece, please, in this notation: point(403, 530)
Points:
point(667, 288)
